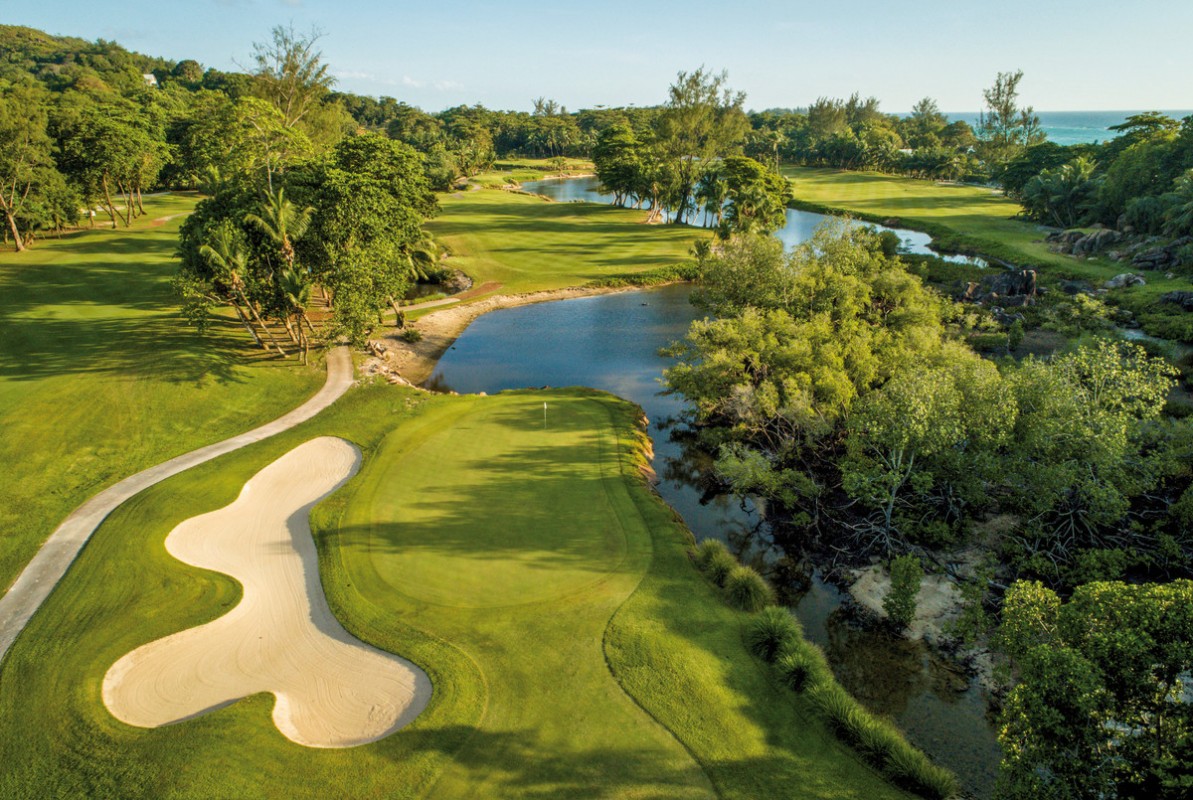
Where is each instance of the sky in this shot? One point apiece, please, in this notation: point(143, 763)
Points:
point(1091, 55)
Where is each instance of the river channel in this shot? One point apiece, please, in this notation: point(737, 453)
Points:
point(612, 342)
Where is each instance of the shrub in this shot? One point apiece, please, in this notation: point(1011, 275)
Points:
point(837, 707)
point(411, 335)
point(708, 549)
point(803, 667)
point(899, 603)
point(772, 632)
point(747, 590)
point(720, 566)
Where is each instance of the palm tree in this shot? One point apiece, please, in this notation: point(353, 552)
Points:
point(1178, 219)
point(711, 191)
point(296, 292)
point(283, 222)
point(229, 264)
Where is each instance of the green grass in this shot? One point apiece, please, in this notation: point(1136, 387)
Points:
point(100, 377)
point(974, 219)
point(507, 170)
point(573, 647)
point(528, 244)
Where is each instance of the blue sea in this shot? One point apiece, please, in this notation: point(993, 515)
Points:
point(1076, 127)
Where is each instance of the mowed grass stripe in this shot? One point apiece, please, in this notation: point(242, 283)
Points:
point(100, 376)
point(528, 244)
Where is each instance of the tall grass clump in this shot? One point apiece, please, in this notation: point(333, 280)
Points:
point(803, 666)
point(706, 551)
point(773, 632)
point(880, 743)
point(745, 589)
point(720, 566)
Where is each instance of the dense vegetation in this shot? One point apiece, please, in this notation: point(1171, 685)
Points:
point(833, 382)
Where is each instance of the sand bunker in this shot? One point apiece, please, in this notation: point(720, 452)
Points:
point(332, 689)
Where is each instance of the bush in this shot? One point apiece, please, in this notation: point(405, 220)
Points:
point(411, 335)
point(899, 603)
point(720, 566)
point(803, 667)
point(772, 632)
point(747, 590)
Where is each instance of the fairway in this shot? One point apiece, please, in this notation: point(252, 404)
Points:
point(572, 648)
point(968, 218)
point(528, 244)
point(100, 376)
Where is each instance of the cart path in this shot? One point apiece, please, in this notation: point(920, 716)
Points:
point(51, 562)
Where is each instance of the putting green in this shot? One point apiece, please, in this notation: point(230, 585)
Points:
point(484, 538)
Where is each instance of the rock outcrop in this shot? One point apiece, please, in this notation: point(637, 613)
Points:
point(1182, 299)
point(1011, 288)
point(1124, 280)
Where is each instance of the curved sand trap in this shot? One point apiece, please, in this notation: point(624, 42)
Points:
point(332, 689)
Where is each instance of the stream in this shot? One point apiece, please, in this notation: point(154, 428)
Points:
point(611, 342)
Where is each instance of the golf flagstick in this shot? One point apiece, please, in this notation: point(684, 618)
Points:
point(544, 415)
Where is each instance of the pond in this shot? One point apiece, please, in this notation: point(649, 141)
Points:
point(611, 342)
point(799, 227)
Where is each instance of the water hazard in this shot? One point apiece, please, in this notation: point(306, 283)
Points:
point(799, 227)
point(611, 342)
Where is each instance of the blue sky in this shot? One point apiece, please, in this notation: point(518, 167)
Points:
point(1095, 54)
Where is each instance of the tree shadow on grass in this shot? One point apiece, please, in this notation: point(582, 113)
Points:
point(155, 347)
point(516, 764)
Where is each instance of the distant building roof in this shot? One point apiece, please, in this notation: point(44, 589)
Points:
point(150, 79)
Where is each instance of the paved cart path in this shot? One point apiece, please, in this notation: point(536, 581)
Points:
point(51, 562)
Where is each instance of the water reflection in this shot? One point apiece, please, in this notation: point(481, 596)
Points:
point(611, 342)
point(799, 227)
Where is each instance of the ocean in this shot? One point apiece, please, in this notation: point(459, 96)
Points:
point(1076, 127)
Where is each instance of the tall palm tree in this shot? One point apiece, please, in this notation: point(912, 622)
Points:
point(296, 292)
point(283, 222)
point(229, 264)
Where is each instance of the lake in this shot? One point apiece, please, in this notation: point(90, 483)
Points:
point(612, 342)
point(799, 228)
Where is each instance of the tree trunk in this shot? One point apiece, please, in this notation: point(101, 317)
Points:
point(108, 198)
point(399, 317)
point(16, 234)
point(290, 330)
point(261, 322)
point(248, 326)
point(128, 203)
point(140, 202)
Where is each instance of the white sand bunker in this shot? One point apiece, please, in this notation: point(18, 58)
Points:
point(332, 689)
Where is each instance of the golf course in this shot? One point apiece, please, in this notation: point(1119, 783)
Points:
point(99, 379)
point(508, 555)
point(572, 647)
